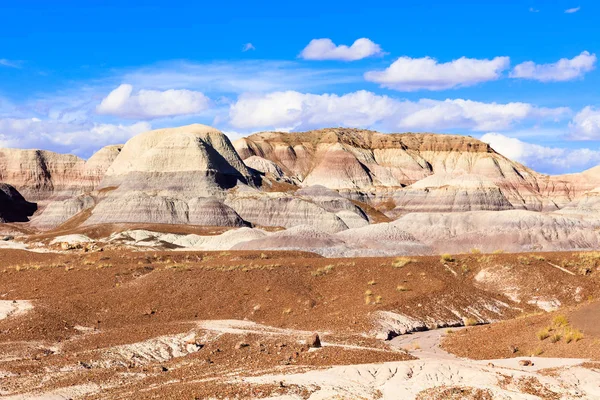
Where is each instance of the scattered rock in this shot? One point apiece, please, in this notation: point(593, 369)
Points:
point(314, 341)
point(241, 345)
point(525, 363)
point(7, 238)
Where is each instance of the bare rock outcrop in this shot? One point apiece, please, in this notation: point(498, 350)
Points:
point(356, 161)
point(174, 176)
point(39, 175)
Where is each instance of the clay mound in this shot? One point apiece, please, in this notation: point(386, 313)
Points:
point(282, 210)
point(171, 176)
point(447, 193)
point(586, 205)
point(60, 211)
point(97, 165)
point(381, 239)
point(141, 207)
point(511, 230)
point(13, 207)
point(330, 200)
point(300, 237)
point(193, 157)
point(230, 239)
point(264, 166)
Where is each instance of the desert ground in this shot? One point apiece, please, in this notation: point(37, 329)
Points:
point(114, 320)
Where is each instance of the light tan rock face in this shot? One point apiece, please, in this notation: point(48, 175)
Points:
point(43, 176)
point(39, 175)
point(97, 165)
point(356, 161)
point(193, 156)
point(174, 176)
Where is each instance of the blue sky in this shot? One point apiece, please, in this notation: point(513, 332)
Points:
point(522, 75)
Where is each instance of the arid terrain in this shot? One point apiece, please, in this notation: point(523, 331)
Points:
point(338, 263)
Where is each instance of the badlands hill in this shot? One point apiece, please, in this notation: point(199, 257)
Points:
point(334, 191)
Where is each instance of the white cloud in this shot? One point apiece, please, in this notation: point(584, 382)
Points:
point(533, 10)
point(79, 138)
point(8, 63)
point(239, 76)
point(563, 70)
point(325, 49)
point(248, 46)
point(586, 124)
point(410, 74)
point(149, 104)
point(543, 158)
point(294, 110)
point(572, 10)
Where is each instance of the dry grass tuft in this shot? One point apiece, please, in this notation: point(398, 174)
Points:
point(402, 262)
point(573, 335)
point(556, 337)
point(543, 334)
point(446, 258)
point(322, 270)
point(560, 321)
point(402, 288)
point(470, 321)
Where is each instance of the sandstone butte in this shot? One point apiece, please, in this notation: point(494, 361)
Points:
point(434, 188)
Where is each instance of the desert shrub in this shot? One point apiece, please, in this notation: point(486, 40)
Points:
point(470, 321)
point(475, 251)
point(371, 283)
point(402, 288)
point(556, 337)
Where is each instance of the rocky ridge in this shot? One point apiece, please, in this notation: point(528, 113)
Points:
point(443, 192)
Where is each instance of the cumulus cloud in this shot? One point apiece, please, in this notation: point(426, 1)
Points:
point(564, 69)
point(572, 10)
point(248, 47)
point(533, 10)
point(325, 49)
point(586, 124)
point(294, 110)
point(410, 74)
point(79, 138)
point(149, 104)
point(543, 158)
